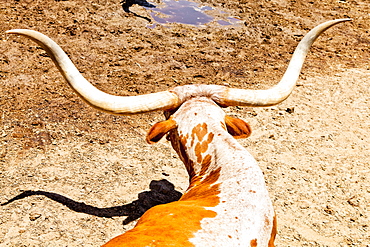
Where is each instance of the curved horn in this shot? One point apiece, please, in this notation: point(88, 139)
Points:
point(278, 93)
point(122, 105)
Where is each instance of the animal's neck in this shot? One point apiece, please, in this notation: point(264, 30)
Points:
point(225, 154)
point(227, 182)
point(210, 154)
point(220, 169)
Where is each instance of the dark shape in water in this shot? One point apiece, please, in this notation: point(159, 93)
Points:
point(126, 4)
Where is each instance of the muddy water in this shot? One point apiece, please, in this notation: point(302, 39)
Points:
point(191, 13)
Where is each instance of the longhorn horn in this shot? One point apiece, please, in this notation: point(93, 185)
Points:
point(121, 105)
point(281, 91)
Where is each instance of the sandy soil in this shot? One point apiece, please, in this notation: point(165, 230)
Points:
point(80, 177)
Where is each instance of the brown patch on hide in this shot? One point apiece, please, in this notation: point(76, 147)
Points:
point(254, 243)
point(210, 137)
point(206, 162)
point(223, 125)
point(202, 147)
point(204, 191)
point(180, 147)
point(273, 233)
point(200, 131)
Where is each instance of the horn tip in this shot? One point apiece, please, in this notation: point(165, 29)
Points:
point(14, 31)
point(19, 31)
point(344, 19)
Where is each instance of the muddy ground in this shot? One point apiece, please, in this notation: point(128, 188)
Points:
point(83, 176)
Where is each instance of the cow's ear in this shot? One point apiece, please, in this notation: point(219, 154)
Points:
point(237, 127)
point(158, 130)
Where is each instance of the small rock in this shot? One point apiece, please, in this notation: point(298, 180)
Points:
point(34, 216)
point(290, 110)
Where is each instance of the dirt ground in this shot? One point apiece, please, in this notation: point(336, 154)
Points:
point(80, 177)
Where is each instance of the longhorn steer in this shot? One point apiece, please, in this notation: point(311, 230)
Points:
point(227, 203)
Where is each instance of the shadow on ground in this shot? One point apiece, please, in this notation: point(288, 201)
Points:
point(161, 192)
point(126, 4)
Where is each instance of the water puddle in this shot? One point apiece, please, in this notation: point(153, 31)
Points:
point(191, 13)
